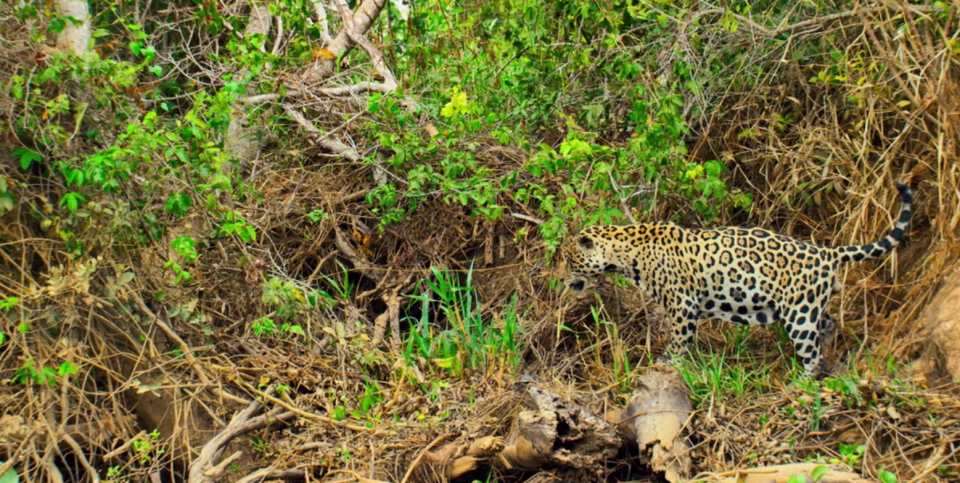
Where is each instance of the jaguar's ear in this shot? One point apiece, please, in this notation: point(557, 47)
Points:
point(586, 242)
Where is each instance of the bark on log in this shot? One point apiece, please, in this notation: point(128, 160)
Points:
point(941, 324)
point(558, 432)
point(655, 419)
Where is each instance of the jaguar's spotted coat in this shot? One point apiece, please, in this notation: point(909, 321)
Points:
point(741, 275)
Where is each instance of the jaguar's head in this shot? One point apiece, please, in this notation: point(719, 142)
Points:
point(584, 259)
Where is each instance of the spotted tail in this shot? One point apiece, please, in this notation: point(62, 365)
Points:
point(877, 250)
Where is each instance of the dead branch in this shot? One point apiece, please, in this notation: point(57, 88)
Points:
point(335, 146)
point(297, 411)
point(555, 430)
point(241, 423)
point(187, 354)
point(422, 454)
point(362, 19)
point(216, 471)
point(368, 269)
point(531, 219)
point(352, 30)
point(392, 315)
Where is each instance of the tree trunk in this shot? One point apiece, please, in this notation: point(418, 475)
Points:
point(243, 140)
point(75, 37)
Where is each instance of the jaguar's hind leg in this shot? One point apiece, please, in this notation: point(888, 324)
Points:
point(807, 340)
point(828, 325)
point(828, 328)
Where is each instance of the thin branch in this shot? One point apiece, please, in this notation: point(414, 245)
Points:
point(125, 446)
point(350, 90)
point(78, 452)
point(423, 453)
point(529, 218)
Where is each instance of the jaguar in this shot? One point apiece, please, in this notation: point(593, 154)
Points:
point(749, 276)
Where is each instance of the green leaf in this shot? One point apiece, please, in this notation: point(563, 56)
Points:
point(10, 476)
point(125, 278)
point(184, 246)
point(57, 25)
point(445, 362)
point(887, 477)
point(156, 70)
point(178, 204)
point(149, 51)
point(72, 200)
point(27, 157)
point(457, 104)
point(6, 202)
point(797, 479)
point(66, 369)
point(818, 472)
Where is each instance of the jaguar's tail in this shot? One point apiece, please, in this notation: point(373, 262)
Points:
point(877, 250)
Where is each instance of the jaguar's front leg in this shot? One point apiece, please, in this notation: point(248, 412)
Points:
point(683, 330)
